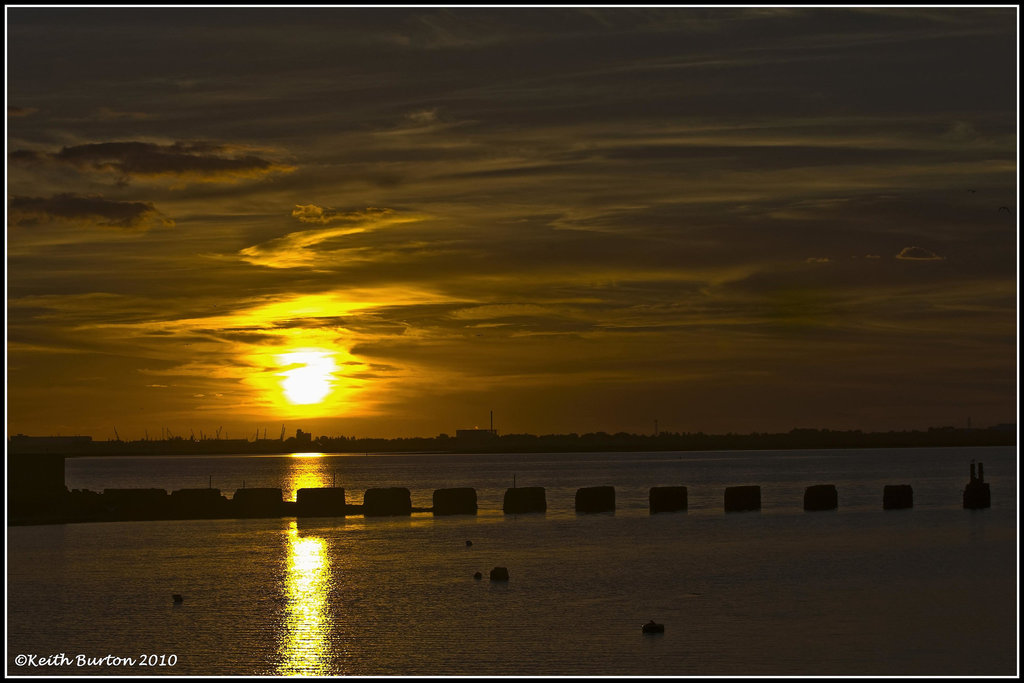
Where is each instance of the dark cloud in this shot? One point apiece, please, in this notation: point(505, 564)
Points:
point(198, 161)
point(108, 114)
point(26, 156)
point(86, 210)
point(16, 112)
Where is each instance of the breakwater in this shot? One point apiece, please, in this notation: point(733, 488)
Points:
point(136, 504)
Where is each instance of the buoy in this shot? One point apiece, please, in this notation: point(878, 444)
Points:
point(651, 627)
point(478, 576)
point(469, 543)
point(499, 574)
point(178, 599)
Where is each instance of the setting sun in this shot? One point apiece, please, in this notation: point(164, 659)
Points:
point(308, 376)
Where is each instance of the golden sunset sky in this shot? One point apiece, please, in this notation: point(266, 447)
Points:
point(390, 221)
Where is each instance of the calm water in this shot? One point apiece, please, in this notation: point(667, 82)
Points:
point(856, 591)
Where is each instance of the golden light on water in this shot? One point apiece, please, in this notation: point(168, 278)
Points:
point(307, 627)
point(307, 472)
point(306, 635)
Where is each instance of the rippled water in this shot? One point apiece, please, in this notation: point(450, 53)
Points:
point(856, 591)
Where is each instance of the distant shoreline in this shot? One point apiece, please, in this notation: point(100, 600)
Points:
point(487, 441)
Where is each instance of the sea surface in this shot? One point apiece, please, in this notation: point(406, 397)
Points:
point(857, 591)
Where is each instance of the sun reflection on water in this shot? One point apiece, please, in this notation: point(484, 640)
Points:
point(307, 628)
point(308, 471)
point(306, 637)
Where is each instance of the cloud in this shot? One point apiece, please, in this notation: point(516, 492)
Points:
point(490, 311)
point(186, 161)
point(298, 249)
point(426, 121)
point(16, 112)
point(108, 114)
point(962, 132)
point(25, 156)
point(423, 117)
point(89, 210)
point(311, 213)
point(918, 254)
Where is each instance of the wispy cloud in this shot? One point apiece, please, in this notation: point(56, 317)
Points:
point(301, 249)
point(311, 213)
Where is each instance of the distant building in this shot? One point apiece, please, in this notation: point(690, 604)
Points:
point(472, 438)
point(303, 437)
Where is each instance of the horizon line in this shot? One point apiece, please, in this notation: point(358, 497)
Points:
point(494, 432)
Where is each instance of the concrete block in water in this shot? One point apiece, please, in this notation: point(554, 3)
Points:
point(387, 501)
point(897, 496)
point(499, 574)
point(459, 501)
point(526, 499)
point(821, 497)
point(320, 502)
point(136, 503)
point(198, 503)
point(977, 494)
point(668, 498)
point(740, 498)
point(259, 502)
point(595, 499)
point(31, 476)
point(84, 505)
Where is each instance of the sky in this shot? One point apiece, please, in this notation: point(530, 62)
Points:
point(389, 222)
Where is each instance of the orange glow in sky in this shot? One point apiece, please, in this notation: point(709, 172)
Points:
point(723, 219)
